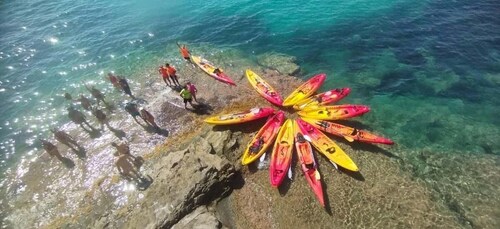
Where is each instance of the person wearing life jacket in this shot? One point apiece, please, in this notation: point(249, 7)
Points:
point(192, 89)
point(171, 71)
point(164, 74)
point(185, 53)
point(186, 96)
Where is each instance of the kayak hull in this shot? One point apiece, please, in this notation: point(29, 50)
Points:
point(263, 139)
point(326, 146)
point(281, 156)
point(263, 88)
point(334, 112)
point(331, 96)
point(305, 90)
point(308, 164)
point(208, 68)
point(241, 117)
point(347, 132)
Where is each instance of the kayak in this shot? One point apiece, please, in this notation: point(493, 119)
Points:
point(349, 133)
point(308, 164)
point(305, 90)
point(324, 98)
point(209, 68)
point(281, 157)
point(245, 116)
point(326, 146)
point(334, 112)
point(263, 138)
point(263, 88)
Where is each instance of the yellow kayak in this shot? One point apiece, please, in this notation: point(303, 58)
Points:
point(326, 146)
point(334, 112)
point(209, 68)
point(281, 157)
point(240, 117)
point(305, 90)
point(263, 88)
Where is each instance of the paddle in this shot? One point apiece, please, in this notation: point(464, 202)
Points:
point(290, 173)
point(349, 138)
point(263, 157)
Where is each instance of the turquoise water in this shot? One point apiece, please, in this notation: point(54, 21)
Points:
point(430, 70)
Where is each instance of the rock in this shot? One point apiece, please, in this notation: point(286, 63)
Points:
point(280, 62)
point(201, 218)
point(182, 181)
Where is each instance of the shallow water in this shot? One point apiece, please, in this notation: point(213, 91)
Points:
point(429, 70)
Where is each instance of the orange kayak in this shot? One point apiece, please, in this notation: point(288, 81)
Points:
point(334, 112)
point(245, 116)
point(308, 164)
point(281, 157)
point(263, 139)
point(349, 133)
point(326, 146)
point(324, 98)
point(305, 90)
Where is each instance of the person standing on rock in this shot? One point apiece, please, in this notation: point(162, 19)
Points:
point(96, 94)
point(164, 74)
point(193, 90)
point(121, 149)
point(186, 96)
point(114, 80)
point(171, 71)
point(65, 139)
point(78, 118)
point(132, 109)
point(85, 102)
point(51, 149)
point(125, 87)
point(148, 117)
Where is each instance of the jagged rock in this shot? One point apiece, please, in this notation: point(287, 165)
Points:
point(183, 180)
point(200, 218)
point(280, 62)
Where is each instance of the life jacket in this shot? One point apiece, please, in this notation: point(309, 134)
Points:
point(184, 52)
point(171, 70)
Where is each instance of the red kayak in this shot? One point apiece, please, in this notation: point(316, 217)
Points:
point(308, 164)
point(281, 157)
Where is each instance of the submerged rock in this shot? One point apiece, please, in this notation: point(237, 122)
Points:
point(280, 62)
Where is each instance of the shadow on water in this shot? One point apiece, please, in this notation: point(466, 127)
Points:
point(95, 133)
point(68, 163)
point(80, 152)
point(372, 148)
point(120, 134)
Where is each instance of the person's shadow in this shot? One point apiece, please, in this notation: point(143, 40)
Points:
point(120, 134)
point(68, 163)
point(202, 109)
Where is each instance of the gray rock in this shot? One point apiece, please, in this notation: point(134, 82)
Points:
point(280, 62)
point(200, 218)
point(183, 180)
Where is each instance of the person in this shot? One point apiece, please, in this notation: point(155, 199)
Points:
point(186, 96)
point(171, 71)
point(217, 71)
point(67, 96)
point(96, 94)
point(78, 117)
point(121, 149)
point(131, 108)
point(256, 146)
point(114, 80)
point(193, 90)
point(101, 117)
point(127, 167)
point(65, 139)
point(164, 74)
point(85, 102)
point(51, 149)
point(185, 53)
point(125, 87)
point(148, 117)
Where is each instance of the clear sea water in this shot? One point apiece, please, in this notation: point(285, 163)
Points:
point(430, 70)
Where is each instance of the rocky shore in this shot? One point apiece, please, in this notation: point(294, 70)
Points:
point(196, 180)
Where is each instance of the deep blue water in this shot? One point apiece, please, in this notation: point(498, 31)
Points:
point(430, 70)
